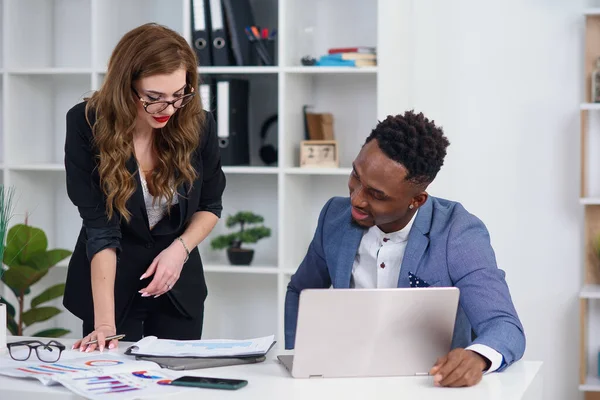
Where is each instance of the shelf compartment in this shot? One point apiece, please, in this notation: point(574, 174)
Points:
point(256, 193)
point(116, 17)
point(309, 31)
point(48, 34)
point(50, 97)
point(301, 215)
point(351, 99)
point(240, 306)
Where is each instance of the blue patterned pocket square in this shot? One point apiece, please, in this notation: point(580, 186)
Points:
point(415, 281)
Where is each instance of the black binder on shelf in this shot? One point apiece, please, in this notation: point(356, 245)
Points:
point(232, 121)
point(239, 15)
point(201, 31)
point(220, 46)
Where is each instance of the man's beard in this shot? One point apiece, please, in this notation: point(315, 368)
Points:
point(357, 224)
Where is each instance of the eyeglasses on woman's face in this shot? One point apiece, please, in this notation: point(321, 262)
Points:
point(46, 352)
point(154, 107)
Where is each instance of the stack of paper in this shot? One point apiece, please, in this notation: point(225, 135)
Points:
point(152, 346)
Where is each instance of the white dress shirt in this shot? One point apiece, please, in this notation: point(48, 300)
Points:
point(377, 265)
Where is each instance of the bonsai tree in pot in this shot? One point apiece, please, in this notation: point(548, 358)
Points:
point(249, 232)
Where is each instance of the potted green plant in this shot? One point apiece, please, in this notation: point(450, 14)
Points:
point(249, 232)
point(28, 261)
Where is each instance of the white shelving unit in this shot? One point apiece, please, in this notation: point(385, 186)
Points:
point(589, 295)
point(54, 52)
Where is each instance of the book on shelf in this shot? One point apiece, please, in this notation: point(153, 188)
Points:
point(352, 56)
point(357, 49)
point(328, 61)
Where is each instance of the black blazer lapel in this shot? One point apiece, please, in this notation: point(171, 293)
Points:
point(136, 204)
point(183, 192)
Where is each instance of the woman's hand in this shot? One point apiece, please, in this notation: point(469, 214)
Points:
point(166, 268)
point(99, 334)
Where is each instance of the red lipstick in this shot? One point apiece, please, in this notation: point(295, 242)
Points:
point(162, 119)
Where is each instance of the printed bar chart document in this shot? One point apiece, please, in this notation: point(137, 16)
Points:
point(214, 348)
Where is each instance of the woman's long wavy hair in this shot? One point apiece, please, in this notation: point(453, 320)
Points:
point(147, 50)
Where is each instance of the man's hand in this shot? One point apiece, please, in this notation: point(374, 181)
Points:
point(459, 368)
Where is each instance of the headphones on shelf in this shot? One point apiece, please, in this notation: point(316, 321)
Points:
point(268, 152)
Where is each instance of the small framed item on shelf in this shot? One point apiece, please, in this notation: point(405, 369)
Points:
point(319, 153)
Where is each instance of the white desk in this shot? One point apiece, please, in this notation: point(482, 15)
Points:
point(270, 380)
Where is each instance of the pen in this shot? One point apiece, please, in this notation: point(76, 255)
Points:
point(118, 337)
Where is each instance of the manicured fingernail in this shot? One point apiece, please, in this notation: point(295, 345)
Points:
point(101, 349)
point(111, 346)
point(156, 295)
point(145, 295)
point(88, 350)
point(142, 277)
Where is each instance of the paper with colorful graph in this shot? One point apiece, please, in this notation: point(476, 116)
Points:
point(72, 364)
point(123, 386)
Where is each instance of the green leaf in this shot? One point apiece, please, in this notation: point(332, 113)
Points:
point(53, 333)
point(44, 260)
point(49, 294)
point(246, 217)
point(10, 310)
point(253, 235)
point(223, 241)
point(39, 314)
point(16, 292)
point(21, 242)
point(20, 277)
point(12, 326)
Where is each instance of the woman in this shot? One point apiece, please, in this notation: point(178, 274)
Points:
point(143, 168)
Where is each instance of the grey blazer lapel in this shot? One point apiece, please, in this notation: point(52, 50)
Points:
point(349, 246)
point(418, 241)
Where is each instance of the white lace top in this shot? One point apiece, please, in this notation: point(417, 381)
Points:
point(157, 210)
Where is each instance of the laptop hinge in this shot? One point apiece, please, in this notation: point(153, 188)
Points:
point(315, 376)
point(421, 373)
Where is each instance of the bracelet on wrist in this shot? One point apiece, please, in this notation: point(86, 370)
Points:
point(187, 251)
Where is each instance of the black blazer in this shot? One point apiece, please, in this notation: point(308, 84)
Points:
point(135, 243)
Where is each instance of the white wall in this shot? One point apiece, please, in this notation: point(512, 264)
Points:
point(504, 79)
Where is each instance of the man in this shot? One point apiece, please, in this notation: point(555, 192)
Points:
point(391, 233)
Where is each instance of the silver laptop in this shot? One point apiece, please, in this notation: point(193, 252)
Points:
point(371, 332)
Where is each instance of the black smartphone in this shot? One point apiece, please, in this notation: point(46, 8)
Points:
point(210, 383)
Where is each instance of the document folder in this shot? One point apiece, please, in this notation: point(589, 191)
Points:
point(239, 15)
point(232, 121)
point(220, 46)
point(201, 31)
point(187, 363)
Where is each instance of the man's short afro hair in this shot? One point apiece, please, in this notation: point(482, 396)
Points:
point(413, 141)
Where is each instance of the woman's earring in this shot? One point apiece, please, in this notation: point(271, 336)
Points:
point(411, 207)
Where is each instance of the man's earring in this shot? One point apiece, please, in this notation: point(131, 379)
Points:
point(411, 207)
